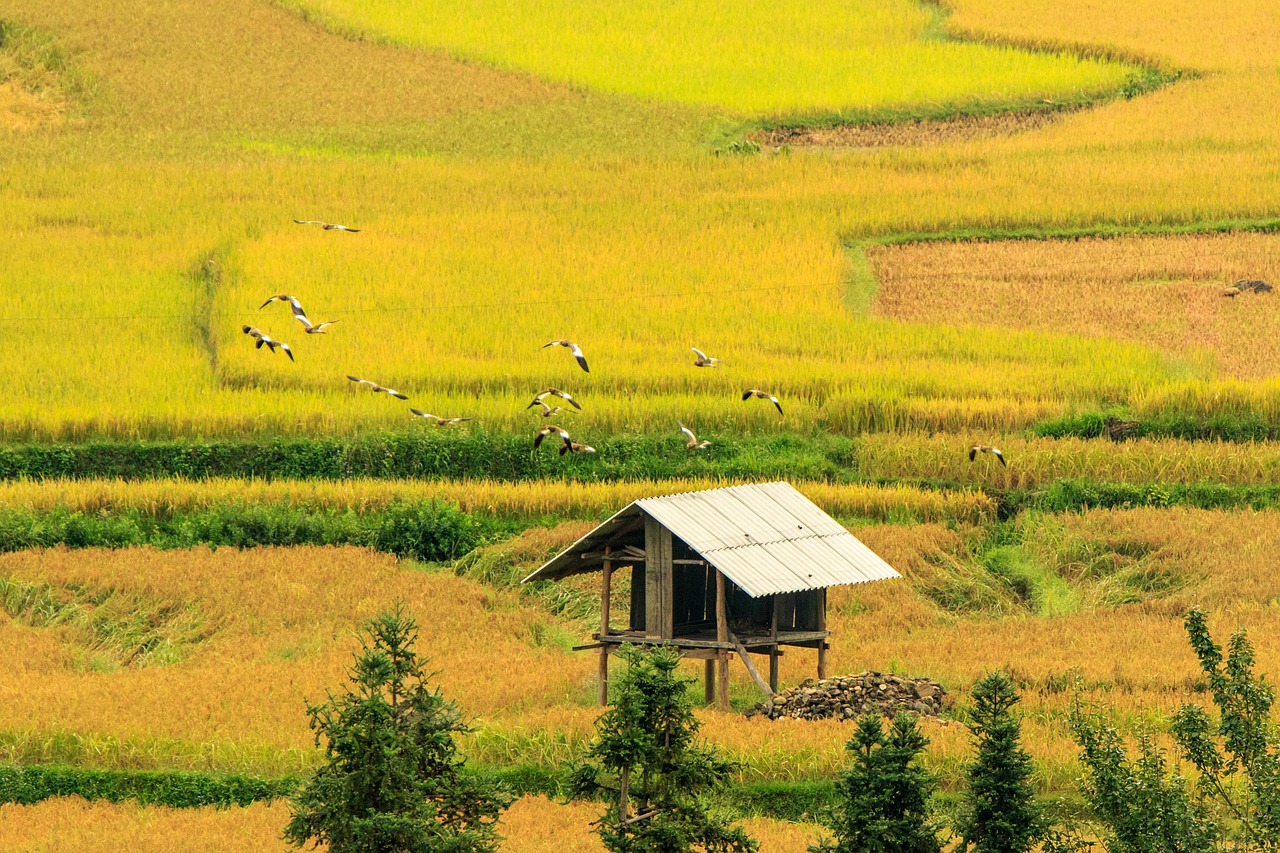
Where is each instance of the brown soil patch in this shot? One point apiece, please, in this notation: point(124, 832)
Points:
point(908, 133)
point(1162, 291)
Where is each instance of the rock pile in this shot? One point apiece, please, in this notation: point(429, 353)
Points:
point(847, 697)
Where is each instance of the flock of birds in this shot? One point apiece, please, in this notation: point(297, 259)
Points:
point(567, 444)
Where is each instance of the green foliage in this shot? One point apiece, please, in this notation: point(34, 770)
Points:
point(1241, 743)
point(1223, 426)
point(392, 780)
point(646, 757)
point(884, 796)
point(174, 790)
point(425, 530)
point(478, 454)
point(1001, 814)
point(1142, 808)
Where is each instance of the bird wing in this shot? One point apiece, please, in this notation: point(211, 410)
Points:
point(552, 344)
point(999, 456)
point(973, 453)
point(320, 327)
point(306, 324)
point(395, 394)
point(286, 349)
point(344, 228)
point(421, 414)
point(684, 429)
point(699, 353)
point(748, 394)
point(269, 301)
point(775, 402)
point(565, 397)
point(308, 222)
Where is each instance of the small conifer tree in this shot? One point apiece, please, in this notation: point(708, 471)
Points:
point(646, 759)
point(391, 782)
point(1001, 814)
point(884, 798)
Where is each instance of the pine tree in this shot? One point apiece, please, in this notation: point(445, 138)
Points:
point(1001, 815)
point(647, 760)
point(884, 797)
point(391, 782)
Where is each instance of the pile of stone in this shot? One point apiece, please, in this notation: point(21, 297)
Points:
point(847, 697)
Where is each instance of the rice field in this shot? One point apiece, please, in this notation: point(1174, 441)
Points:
point(277, 627)
point(511, 190)
point(776, 60)
point(755, 259)
point(531, 825)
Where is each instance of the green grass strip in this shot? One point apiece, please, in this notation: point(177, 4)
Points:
point(178, 790)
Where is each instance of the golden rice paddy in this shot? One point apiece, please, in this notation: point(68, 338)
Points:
point(510, 193)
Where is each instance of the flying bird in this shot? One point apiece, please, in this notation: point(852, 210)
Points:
point(316, 328)
point(327, 226)
point(376, 388)
point(982, 448)
point(572, 347)
point(550, 411)
point(693, 443)
point(439, 421)
point(575, 447)
point(264, 338)
point(553, 392)
point(763, 395)
point(703, 359)
point(551, 430)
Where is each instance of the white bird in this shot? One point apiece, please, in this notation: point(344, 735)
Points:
point(982, 448)
point(553, 392)
point(692, 443)
point(439, 421)
point(551, 430)
point(264, 338)
point(550, 411)
point(763, 395)
point(703, 359)
point(574, 348)
point(376, 388)
point(327, 226)
point(314, 329)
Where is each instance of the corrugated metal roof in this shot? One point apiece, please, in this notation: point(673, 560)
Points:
point(767, 538)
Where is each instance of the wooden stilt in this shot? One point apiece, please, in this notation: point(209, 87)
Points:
point(709, 679)
point(773, 650)
point(722, 636)
point(822, 644)
point(602, 687)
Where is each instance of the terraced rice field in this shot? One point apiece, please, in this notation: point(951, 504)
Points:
point(587, 171)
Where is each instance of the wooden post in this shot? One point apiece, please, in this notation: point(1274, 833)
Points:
point(602, 686)
point(773, 650)
point(722, 636)
point(822, 644)
point(658, 576)
point(709, 685)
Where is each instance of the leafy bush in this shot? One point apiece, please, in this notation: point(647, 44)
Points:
point(29, 785)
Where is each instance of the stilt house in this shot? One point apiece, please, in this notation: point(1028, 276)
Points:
point(742, 569)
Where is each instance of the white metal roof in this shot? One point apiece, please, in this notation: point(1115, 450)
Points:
point(767, 538)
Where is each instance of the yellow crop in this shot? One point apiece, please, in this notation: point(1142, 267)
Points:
point(780, 58)
point(564, 499)
point(531, 825)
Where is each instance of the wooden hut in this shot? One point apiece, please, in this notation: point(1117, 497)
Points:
point(742, 569)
